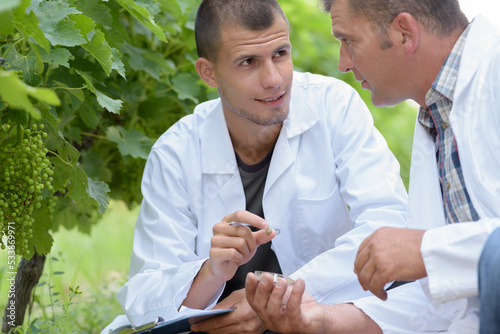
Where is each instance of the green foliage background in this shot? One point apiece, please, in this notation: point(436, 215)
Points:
point(108, 77)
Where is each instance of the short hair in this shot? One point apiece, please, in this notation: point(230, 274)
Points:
point(442, 17)
point(212, 15)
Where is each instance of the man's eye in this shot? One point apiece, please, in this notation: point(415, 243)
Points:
point(280, 53)
point(247, 62)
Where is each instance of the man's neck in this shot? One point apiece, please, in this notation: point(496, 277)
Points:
point(436, 51)
point(252, 142)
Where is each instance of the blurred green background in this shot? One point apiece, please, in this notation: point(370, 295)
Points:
point(98, 262)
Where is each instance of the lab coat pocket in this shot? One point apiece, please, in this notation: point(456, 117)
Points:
point(320, 222)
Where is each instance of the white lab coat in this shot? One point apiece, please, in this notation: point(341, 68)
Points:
point(451, 252)
point(332, 181)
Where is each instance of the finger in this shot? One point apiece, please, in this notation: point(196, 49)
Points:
point(261, 297)
point(377, 284)
point(251, 287)
point(365, 274)
point(362, 255)
point(275, 302)
point(225, 254)
point(263, 236)
point(212, 325)
point(293, 306)
point(380, 293)
point(246, 218)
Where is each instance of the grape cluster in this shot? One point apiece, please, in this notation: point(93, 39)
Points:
point(25, 171)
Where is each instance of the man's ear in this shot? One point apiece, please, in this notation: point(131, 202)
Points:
point(205, 69)
point(408, 32)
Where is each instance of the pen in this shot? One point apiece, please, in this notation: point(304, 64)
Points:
point(268, 230)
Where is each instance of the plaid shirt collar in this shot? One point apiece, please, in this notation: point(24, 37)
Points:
point(445, 83)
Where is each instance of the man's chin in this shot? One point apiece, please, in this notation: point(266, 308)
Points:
point(378, 101)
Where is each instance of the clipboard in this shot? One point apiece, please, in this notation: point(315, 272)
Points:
point(175, 326)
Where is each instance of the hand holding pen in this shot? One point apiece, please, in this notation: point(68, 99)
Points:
point(234, 244)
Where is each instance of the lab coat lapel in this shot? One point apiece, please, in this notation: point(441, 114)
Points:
point(300, 119)
point(480, 36)
point(218, 162)
point(425, 204)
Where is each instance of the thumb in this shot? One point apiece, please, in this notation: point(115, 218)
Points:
point(264, 236)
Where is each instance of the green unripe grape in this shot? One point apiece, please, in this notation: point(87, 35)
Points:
point(24, 172)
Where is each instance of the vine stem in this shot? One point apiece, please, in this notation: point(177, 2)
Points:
point(71, 88)
point(60, 158)
point(10, 47)
point(93, 135)
point(20, 134)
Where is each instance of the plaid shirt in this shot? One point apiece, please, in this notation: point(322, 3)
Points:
point(456, 201)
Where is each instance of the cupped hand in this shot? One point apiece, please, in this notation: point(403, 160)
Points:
point(242, 320)
point(286, 309)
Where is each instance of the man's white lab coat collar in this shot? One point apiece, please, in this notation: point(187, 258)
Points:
point(481, 33)
point(216, 148)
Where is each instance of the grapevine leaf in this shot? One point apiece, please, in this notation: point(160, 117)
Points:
point(98, 191)
point(16, 116)
point(89, 84)
point(187, 5)
point(59, 56)
point(51, 12)
point(100, 49)
point(133, 142)
point(51, 119)
point(52, 16)
point(151, 62)
point(117, 62)
point(39, 62)
point(26, 63)
point(100, 13)
point(151, 6)
point(44, 94)
point(143, 16)
point(9, 4)
point(70, 214)
point(42, 240)
point(172, 7)
point(16, 93)
point(83, 23)
point(72, 92)
point(111, 105)
point(65, 166)
point(65, 34)
point(89, 116)
point(27, 24)
point(95, 166)
point(81, 189)
point(186, 86)
point(104, 101)
point(7, 26)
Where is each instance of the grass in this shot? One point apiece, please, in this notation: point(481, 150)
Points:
point(97, 263)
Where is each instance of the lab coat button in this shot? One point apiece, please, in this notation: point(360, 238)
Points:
point(444, 125)
point(448, 185)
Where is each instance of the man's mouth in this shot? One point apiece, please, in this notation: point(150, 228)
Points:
point(271, 99)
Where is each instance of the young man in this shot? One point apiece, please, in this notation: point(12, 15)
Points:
point(427, 51)
point(294, 152)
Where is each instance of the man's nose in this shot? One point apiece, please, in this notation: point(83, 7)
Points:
point(345, 60)
point(271, 77)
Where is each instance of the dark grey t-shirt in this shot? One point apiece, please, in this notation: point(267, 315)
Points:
point(253, 178)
